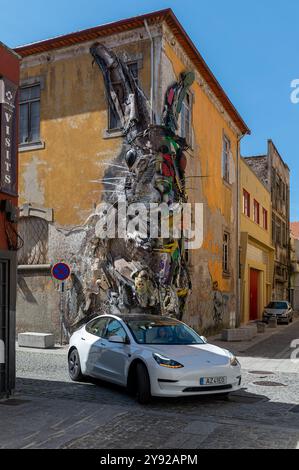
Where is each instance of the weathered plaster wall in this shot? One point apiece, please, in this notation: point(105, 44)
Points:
point(261, 167)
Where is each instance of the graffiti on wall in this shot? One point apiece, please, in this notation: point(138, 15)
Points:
point(138, 271)
point(220, 302)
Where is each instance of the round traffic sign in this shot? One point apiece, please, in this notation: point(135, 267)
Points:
point(61, 271)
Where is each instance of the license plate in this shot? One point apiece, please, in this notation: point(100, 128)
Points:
point(213, 381)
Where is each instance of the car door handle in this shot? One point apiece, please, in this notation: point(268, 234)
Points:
point(103, 344)
point(83, 339)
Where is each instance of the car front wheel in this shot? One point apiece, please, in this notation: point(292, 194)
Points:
point(75, 366)
point(143, 384)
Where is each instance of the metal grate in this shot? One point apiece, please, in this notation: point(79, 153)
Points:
point(34, 232)
point(268, 383)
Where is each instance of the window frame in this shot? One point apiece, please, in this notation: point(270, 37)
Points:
point(119, 127)
point(284, 234)
point(246, 203)
point(278, 232)
point(29, 102)
point(265, 218)
point(256, 205)
point(226, 145)
point(273, 229)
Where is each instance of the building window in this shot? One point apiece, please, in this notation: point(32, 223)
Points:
point(274, 188)
point(256, 212)
point(273, 229)
point(246, 203)
point(265, 219)
point(225, 261)
point(278, 231)
point(114, 122)
point(225, 158)
point(284, 234)
point(186, 119)
point(29, 114)
point(278, 191)
point(283, 192)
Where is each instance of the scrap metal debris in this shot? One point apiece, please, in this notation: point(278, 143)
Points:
point(140, 272)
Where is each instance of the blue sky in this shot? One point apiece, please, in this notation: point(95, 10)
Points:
point(252, 48)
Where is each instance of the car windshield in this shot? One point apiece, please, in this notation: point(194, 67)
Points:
point(278, 305)
point(162, 332)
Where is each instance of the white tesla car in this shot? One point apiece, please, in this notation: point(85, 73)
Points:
point(152, 356)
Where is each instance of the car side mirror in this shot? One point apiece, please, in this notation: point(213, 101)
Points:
point(117, 339)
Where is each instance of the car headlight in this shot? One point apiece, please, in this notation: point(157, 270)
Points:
point(166, 362)
point(234, 361)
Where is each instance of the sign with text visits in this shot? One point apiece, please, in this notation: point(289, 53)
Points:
point(8, 136)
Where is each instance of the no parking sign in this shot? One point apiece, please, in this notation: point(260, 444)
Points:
point(61, 271)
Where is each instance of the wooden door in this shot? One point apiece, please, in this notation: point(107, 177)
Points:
point(254, 294)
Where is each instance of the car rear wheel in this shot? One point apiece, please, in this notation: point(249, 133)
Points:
point(143, 384)
point(75, 366)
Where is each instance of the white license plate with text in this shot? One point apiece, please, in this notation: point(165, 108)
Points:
point(213, 381)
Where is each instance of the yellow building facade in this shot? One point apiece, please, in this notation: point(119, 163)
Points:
point(61, 171)
point(257, 252)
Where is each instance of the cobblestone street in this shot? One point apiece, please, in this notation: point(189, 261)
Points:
point(50, 411)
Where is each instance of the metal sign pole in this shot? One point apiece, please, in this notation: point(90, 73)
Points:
point(61, 311)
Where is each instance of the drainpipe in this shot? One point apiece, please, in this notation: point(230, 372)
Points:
point(152, 70)
point(238, 280)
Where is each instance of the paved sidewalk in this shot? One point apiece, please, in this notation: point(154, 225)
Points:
point(270, 339)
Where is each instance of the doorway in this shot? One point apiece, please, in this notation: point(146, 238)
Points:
point(7, 322)
point(254, 294)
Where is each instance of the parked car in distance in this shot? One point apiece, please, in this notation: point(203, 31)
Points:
point(151, 355)
point(281, 310)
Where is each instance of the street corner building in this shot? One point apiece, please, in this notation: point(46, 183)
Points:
point(125, 110)
point(9, 239)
